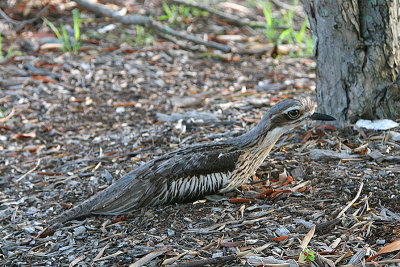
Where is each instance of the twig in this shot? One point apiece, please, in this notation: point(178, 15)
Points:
point(235, 19)
point(154, 254)
point(351, 202)
point(23, 22)
point(109, 256)
point(103, 11)
point(26, 174)
point(77, 260)
point(101, 252)
point(217, 260)
point(8, 116)
point(382, 262)
point(308, 238)
point(146, 21)
point(185, 36)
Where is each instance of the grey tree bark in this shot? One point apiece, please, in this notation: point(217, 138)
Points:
point(357, 50)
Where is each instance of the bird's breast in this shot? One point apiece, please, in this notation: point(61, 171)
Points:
point(246, 166)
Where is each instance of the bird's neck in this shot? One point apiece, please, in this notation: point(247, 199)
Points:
point(262, 136)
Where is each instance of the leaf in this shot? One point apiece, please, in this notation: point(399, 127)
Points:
point(44, 79)
point(265, 193)
point(302, 189)
point(394, 246)
point(283, 177)
point(240, 200)
point(125, 104)
point(307, 238)
point(65, 205)
point(279, 192)
point(231, 244)
point(24, 135)
point(280, 238)
point(112, 48)
point(306, 136)
point(288, 180)
point(119, 219)
point(326, 127)
point(305, 242)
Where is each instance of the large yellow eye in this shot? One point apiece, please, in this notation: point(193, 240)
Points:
point(293, 114)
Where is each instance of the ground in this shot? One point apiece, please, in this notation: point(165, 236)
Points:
point(81, 121)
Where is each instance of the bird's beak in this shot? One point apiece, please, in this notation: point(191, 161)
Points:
point(321, 117)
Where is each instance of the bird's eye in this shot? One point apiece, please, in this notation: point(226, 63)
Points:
point(293, 114)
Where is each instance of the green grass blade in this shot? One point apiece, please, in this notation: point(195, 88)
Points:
point(162, 17)
point(167, 10)
point(53, 28)
point(284, 34)
point(300, 35)
point(9, 52)
point(75, 14)
point(67, 44)
point(266, 7)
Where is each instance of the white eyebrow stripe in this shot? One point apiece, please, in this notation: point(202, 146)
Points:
point(293, 108)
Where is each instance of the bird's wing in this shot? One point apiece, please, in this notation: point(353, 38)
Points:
point(178, 176)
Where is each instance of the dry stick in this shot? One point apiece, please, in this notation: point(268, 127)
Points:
point(103, 11)
point(110, 256)
point(101, 252)
point(217, 260)
point(26, 174)
point(382, 262)
point(23, 22)
point(352, 202)
point(9, 116)
point(77, 260)
point(146, 21)
point(185, 36)
point(175, 41)
point(235, 19)
point(154, 254)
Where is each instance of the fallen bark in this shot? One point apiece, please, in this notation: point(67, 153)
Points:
point(217, 260)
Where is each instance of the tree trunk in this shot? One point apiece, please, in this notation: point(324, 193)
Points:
point(357, 50)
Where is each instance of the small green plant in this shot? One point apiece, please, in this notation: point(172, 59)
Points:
point(270, 29)
point(285, 34)
point(68, 45)
point(9, 51)
point(171, 14)
point(302, 37)
point(1, 114)
point(273, 25)
point(308, 255)
point(175, 14)
point(142, 37)
point(281, 30)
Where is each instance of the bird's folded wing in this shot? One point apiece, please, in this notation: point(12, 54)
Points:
point(179, 176)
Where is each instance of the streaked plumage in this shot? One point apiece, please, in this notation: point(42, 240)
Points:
point(199, 170)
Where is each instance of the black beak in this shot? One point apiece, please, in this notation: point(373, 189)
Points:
point(321, 117)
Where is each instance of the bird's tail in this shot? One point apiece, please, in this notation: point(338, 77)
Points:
point(87, 206)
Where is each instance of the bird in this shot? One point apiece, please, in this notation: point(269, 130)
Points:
point(199, 170)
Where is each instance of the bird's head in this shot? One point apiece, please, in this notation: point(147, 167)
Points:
point(290, 113)
point(282, 117)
